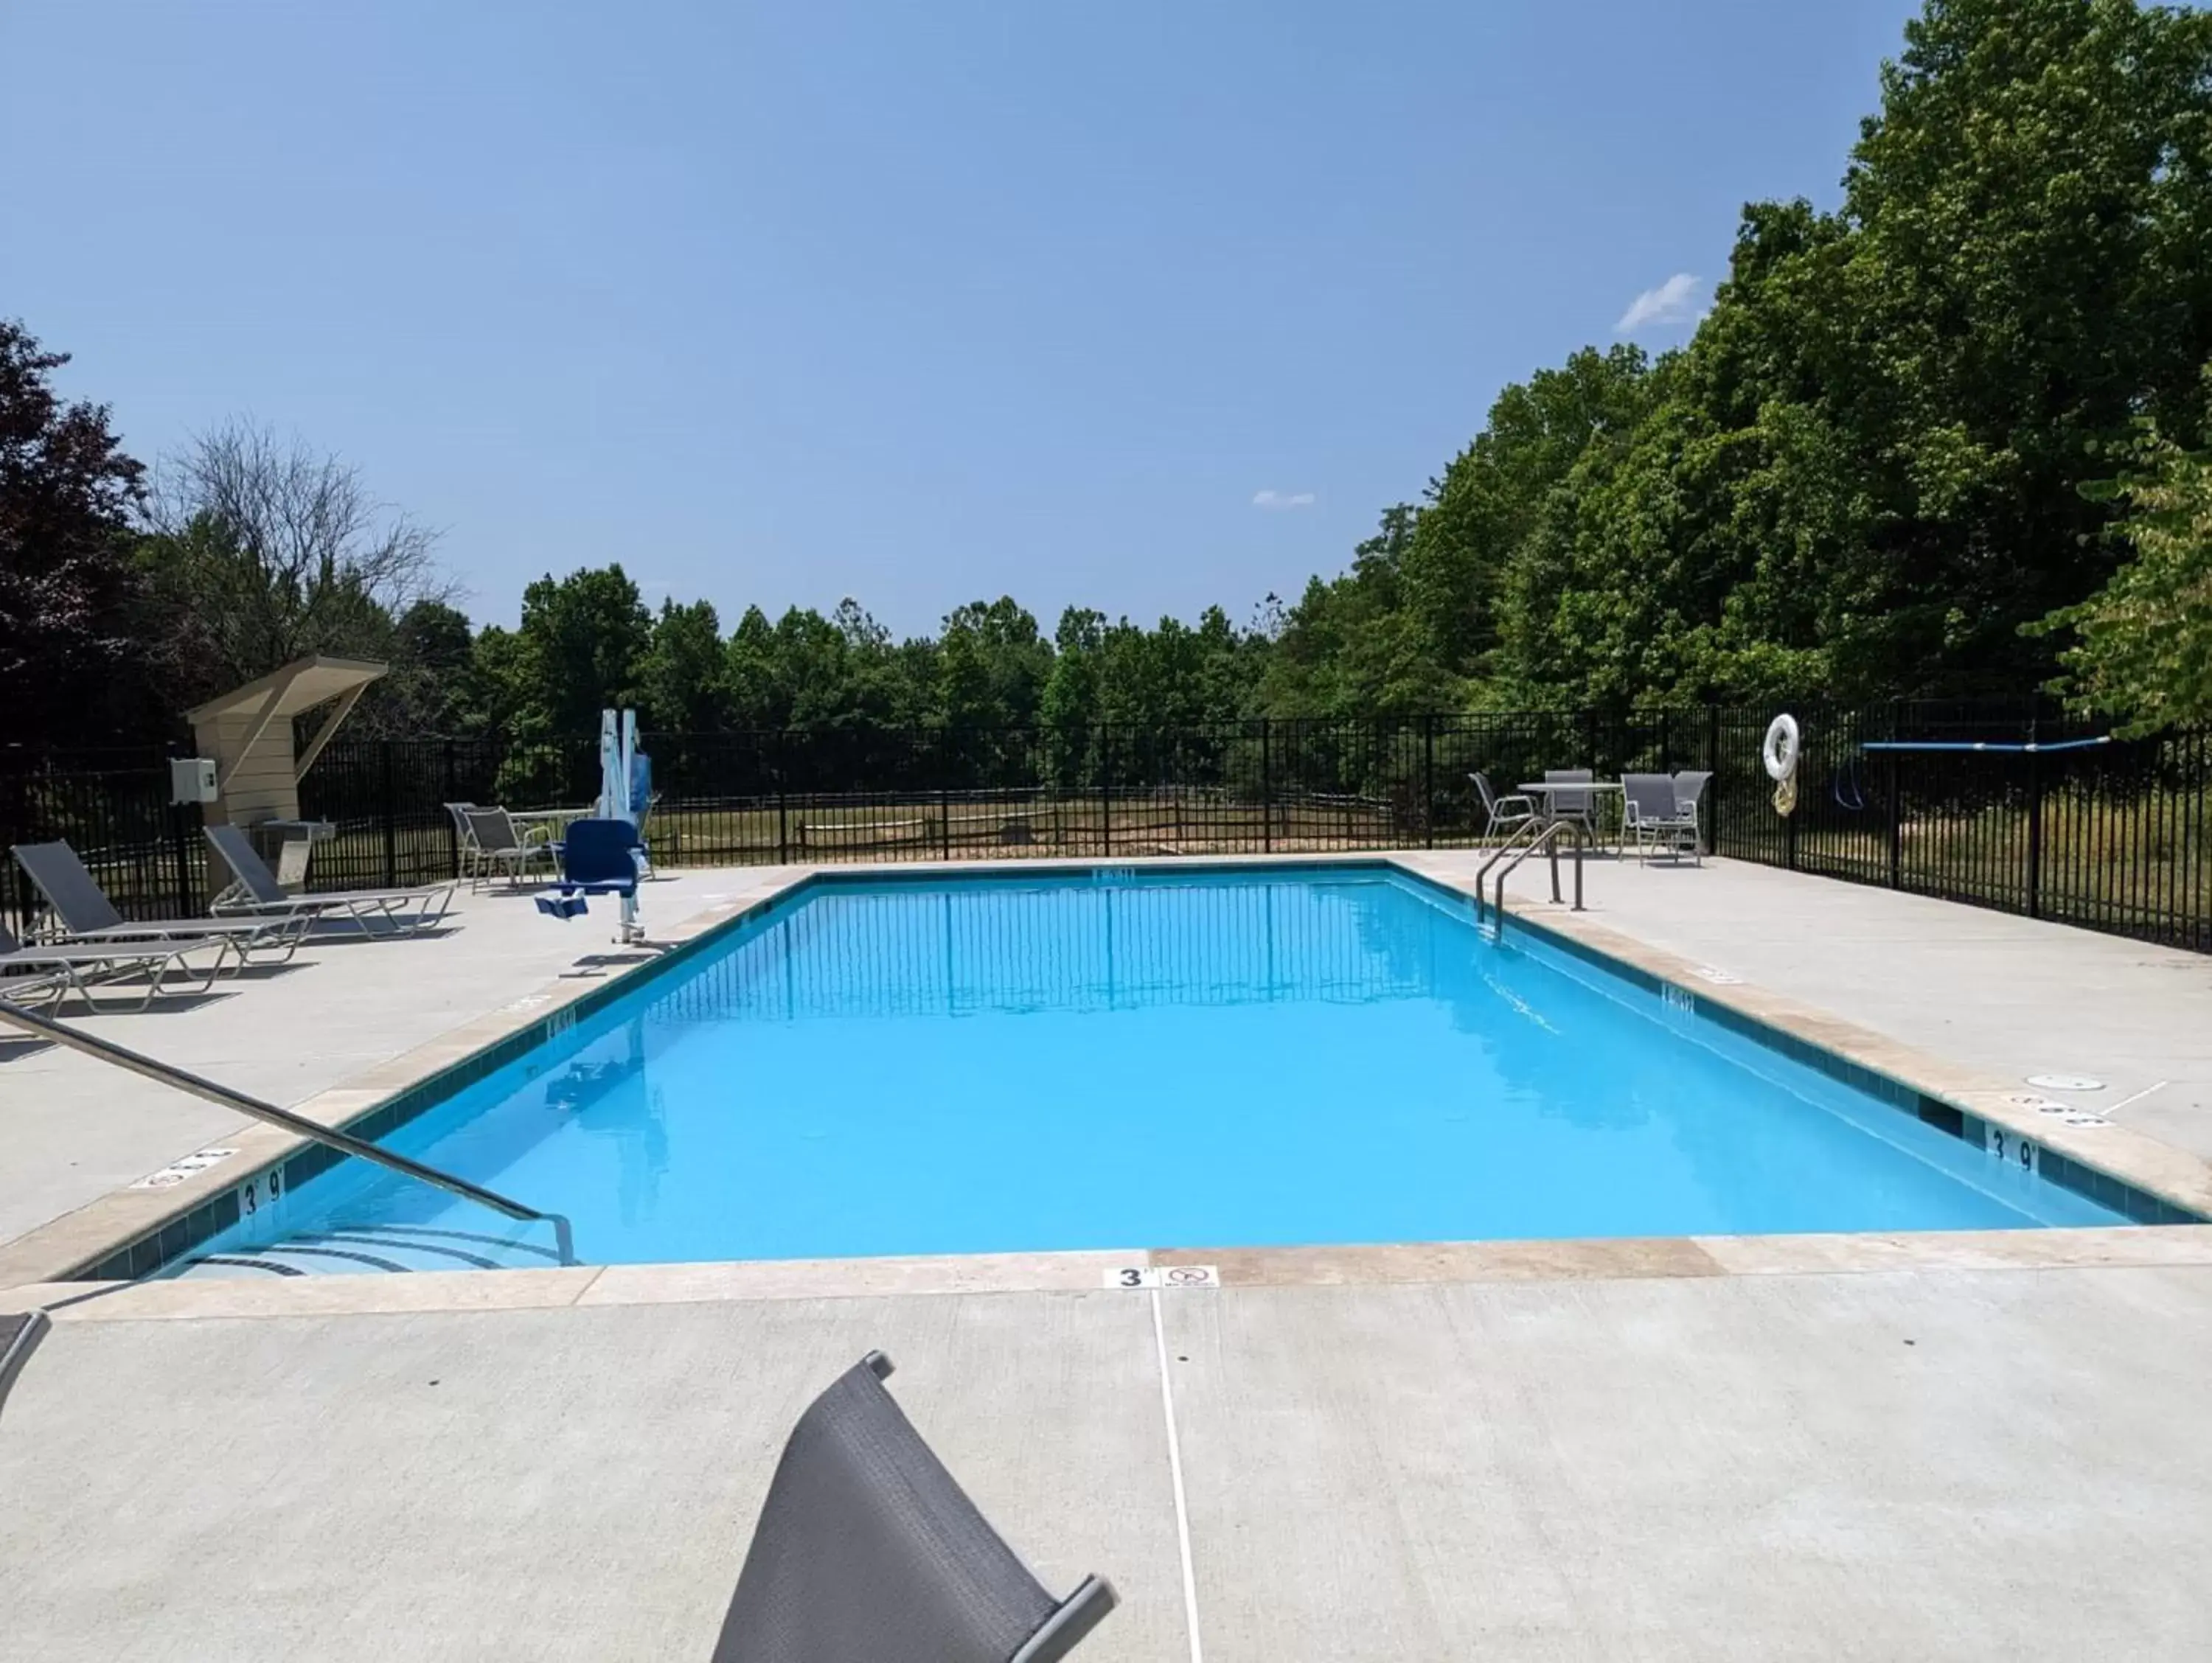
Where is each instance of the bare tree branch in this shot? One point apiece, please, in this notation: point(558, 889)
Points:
point(277, 551)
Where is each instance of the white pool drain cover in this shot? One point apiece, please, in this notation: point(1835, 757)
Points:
point(2066, 1083)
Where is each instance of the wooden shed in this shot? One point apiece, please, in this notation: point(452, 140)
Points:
point(248, 732)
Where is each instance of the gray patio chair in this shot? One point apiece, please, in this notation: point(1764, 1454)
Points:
point(465, 838)
point(1506, 812)
point(20, 1334)
point(87, 915)
point(500, 848)
point(63, 970)
point(1690, 797)
point(868, 1551)
point(255, 889)
point(1651, 815)
point(1579, 806)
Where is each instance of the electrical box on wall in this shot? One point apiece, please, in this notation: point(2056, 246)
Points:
point(192, 779)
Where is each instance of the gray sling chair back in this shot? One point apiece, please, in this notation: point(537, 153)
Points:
point(867, 1551)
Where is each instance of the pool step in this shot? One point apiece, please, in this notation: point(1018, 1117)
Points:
point(360, 1249)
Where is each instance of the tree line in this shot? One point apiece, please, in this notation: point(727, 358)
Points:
point(1949, 439)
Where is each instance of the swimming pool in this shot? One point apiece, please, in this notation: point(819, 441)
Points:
point(1140, 1058)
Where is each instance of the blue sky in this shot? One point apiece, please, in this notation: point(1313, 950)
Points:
point(1143, 307)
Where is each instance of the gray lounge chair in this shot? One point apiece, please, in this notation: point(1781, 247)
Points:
point(255, 890)
point(499, 848)
point(1506, 812)
point(65, 970)
point(1651, 814)
point(868, 1551)
point(88, 916)
point(20, 1334)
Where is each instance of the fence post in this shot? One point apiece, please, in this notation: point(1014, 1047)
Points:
point(782, 799)
point(1106, 785)
point(1666, 756)
point(2034, 824)
point(945, 794)
point(391, 808)
point(452, 830)
point(1713, 762)
point(1896, 803)
point(1429, 781)
point(1267, 788)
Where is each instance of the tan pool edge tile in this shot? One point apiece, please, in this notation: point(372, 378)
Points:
point(1448, 1261)
point(829, 1278)
point(2127, 1246)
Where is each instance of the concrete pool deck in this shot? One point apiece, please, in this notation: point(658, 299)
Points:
point(1799, 1446)
point(1995, 1465)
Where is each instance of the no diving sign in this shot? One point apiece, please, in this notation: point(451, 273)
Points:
point(1163, 1276)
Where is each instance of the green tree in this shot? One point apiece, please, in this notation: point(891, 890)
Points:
point(1483, 507)
point(1353, 648)
point(993, 665)
point(1861, 477)
point(74, 665)
point(684, 675)
point(430, 687)
point(753, 674)
point(2143, 642)
point(498, 688)
point(581, 649)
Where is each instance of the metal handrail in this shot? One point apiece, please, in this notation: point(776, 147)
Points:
point(345, 1142)
point(1546, 839)
point(1532, 830)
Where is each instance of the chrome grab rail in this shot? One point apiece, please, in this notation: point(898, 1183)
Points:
point(1547, 840)
point(1531, 830)
point(345, 1142)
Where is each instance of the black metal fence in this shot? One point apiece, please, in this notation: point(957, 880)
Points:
point(2114, 837)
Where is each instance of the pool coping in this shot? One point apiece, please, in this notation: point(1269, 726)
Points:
point(1692, 1258)
point(132, 1230)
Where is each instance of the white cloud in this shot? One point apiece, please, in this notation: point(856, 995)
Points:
point(1674, 301)
point(1275, 501)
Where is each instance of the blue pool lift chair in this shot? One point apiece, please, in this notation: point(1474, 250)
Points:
point(868, 1551)
point(597, 857)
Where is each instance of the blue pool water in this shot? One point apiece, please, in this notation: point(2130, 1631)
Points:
point(1185, 1059)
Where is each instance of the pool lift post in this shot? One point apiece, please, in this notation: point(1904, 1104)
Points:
point(617, 757)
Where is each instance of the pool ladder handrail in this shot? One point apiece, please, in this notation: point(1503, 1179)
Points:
point(345, 1142)
point(1539, 835)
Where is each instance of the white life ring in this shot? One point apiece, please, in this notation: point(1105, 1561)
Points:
point(1780, 750)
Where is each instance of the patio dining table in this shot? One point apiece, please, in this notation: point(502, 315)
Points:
point(546, 824)
point(1543, 790)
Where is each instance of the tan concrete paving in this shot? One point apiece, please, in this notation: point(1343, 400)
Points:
point(1946, 1465)
point(1753, 1467)
point(563, 1484)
